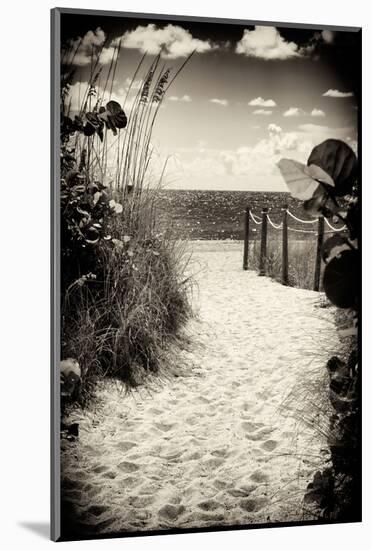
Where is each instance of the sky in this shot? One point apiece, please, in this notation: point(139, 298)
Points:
point(249, 95)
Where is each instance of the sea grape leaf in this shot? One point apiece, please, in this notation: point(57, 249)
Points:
point(340, 279)
point(339, 161)
point(333, 246)
point(300, 183)
point(113, 107)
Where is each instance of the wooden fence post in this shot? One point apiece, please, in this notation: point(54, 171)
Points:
point(285, 256)
point(246, 240)
point(263, 243)
point(317, 270)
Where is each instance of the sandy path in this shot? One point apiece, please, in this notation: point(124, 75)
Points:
point(212, 447)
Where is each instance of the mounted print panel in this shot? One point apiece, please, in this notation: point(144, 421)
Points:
point(206, 275)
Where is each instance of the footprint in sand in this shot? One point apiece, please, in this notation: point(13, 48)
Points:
point(100, 526)
point(260, 435)
point(99, 469)
point(194, 456)
point(248, 487)
point(82, 475)
point(249, 426)
point(133, 457)
point(143, 515)
point(221, 484)
point(214, 462)
point(192, 420)
point(172, 457)
point(76, 496)
point(92, 490)
point(125, 446)
point(170, 512)
point(142, 501)
point(149, 488)
point(110, 475)
point(220, 453)
point(243, 491)
point(163, 426)
point(128, 467)
point(155, 411)
point(253, 504)
point(209, 505)
point(97, 510)
point(269, 445)
point(130, 482)
point(259, 477)
point(203, 399)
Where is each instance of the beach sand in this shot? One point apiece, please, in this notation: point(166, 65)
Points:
point(215, 445)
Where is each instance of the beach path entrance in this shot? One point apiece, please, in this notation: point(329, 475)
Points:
point(220, 443)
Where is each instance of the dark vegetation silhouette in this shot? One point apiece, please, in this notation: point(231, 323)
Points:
point(336, 490)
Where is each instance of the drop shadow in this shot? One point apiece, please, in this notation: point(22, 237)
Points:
point(42, 529)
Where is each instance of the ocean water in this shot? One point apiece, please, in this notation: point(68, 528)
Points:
point(220, 214)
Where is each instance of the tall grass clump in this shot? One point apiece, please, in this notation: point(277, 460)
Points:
point(124, 293)
point(301, 253)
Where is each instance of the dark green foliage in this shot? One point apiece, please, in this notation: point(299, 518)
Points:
point(340, 279)
point(320, 490)
point(111, 116)
point(122, 296)
point(338, 160)
point(121, 324)
point(336, 490)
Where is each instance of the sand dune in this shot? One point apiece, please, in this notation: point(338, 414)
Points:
point(213, 446)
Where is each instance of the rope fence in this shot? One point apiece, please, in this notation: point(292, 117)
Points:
point(265, 220)
point(336, 229)
point(298, 219)
point(255, 219)
point(273, 224)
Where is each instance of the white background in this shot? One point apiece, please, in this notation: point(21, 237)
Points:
point(24, 354)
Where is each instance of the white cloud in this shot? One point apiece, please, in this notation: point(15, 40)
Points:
point(172, 41)
point(254, 166)
point(336, 93)
point(298, 111)
point(83, 50)
point(133, 84)
point(274, 128)
point(185, 98)
point(266, 43)
point(96, 38)
point(222, 102)
point(294, 111)
point(317, 112)
point(316, 133)
point(77, 94)
point(281, 140)
point(313, 128)
point(263, 112)
point(257, 160)
point(261, 158)
point(260, 102)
